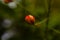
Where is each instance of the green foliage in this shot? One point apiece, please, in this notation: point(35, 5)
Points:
point(39, 9)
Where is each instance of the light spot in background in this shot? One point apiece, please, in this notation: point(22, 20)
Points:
point(7, 23)
point(7, 35)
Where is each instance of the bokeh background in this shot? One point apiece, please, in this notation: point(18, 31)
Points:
point(47, 14)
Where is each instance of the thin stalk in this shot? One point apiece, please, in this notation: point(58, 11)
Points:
point(48, 15)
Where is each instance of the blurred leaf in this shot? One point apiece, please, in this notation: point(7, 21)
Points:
point(54, 18)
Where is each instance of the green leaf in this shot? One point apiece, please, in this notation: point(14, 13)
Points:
point(54, 18)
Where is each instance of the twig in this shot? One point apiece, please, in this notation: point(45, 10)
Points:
point(39, 23)
point(57, 31)
point(48, 14)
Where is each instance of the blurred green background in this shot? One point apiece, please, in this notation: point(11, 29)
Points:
point(39, 9)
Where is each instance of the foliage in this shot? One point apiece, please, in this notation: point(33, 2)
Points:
point(39, 9)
